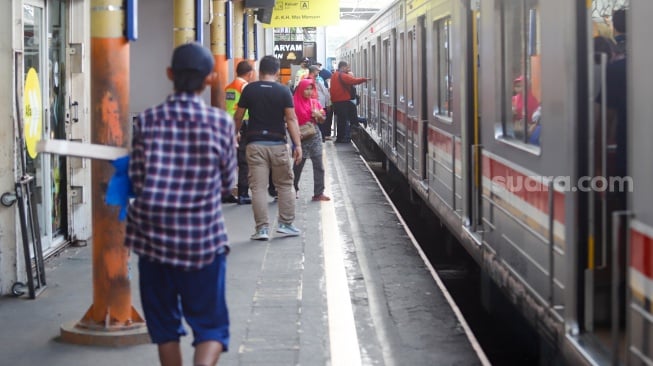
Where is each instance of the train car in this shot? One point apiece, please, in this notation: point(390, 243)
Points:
point(496, 114)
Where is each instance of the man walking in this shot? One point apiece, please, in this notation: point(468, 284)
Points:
point(271, 111)
point(182, 162)
point(233, 91)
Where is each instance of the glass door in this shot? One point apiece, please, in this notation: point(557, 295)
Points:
point(43, 113)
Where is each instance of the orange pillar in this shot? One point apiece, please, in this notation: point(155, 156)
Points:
point(111, 319)
point(219, 50)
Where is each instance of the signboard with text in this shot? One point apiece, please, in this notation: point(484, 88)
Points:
point(304, 13)
point(292, 52)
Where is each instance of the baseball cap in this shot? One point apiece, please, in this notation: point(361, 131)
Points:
point(192, 56)
point(306, 60)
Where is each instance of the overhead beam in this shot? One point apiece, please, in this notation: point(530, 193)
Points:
point(358, 13)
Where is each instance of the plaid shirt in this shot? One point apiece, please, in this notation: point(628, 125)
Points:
point(182, 161)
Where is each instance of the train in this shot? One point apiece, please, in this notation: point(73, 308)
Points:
point(499, 116)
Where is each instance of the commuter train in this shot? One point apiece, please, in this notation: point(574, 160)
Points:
point(493, 113)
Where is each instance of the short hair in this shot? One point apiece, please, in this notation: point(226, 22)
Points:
point(269, 65)
point(342, 64)
point(243, 68)
point(313, 68)
point(619, 20)
point(189, 81)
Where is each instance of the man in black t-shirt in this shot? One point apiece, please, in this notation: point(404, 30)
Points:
point(271, 111)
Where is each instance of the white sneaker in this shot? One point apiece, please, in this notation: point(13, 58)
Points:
point(262, 234)
point(288, 229)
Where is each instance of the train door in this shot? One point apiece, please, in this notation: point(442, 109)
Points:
point(43, 108)
point(416, 105)
point(465, 116)
point(403, 88)
point(523, 204)
point(640, 150)
point(387, 91)
point(373, 88)
point(604, 278)
point(444, 130)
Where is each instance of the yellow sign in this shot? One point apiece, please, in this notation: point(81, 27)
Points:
point(32, 116)
point(304, 13)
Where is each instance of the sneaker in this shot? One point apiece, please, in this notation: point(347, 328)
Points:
point(262, 234)
point(244, 200)
point(321, 197)
point(288, 229)
point(229, 199)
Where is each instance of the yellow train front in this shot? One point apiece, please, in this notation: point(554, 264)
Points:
point(506, 120)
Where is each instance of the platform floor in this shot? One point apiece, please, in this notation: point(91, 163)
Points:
point(351, 290)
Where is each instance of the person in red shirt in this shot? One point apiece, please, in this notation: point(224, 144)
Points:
point(343, 96)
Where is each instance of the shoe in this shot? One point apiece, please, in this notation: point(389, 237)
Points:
point(229, 199)
point(273, 193)
point(321, 197)
point(244, 200)
point(288, 229)
point(262, 234)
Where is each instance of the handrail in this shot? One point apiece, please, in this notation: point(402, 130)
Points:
point(552, 243)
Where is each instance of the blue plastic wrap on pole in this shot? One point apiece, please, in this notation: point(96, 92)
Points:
point(131, 23)
point(229, 16)
point(119, 190)
point(199, 24)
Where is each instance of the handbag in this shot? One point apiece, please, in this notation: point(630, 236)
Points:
point(307, 131)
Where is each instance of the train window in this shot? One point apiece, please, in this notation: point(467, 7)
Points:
point(520, 37)
point(442, 66)
point(385, 67)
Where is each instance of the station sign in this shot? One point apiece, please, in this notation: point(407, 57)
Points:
point(304, 13)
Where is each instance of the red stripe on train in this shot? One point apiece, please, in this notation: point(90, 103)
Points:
point(641, 252)
point(443, 142)
point(526, 188)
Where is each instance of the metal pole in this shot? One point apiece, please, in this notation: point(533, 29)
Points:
point(111, 319)
point(238, 32)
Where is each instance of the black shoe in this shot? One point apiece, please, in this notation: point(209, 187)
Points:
point(229, 199)
point(273, 193)
point(244, 200)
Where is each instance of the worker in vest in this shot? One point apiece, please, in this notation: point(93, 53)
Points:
point(244, 74)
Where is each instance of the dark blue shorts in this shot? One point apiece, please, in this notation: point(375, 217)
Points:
point(169, 293)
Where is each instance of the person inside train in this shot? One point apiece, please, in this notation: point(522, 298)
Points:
point(309, 110)
point(521, 103)
point(616, 95)
point(619, 30)
point(342, 93)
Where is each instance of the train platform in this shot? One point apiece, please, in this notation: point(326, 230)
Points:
point(352, 289)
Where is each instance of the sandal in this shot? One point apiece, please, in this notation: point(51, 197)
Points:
point(321, 197)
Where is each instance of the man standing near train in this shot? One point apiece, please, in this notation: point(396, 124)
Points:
point(343, 96)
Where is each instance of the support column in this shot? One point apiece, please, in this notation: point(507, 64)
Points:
point(111, 319)
point(183, 21)
point(239, 50)
point(219, 50)
point(251, 40)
